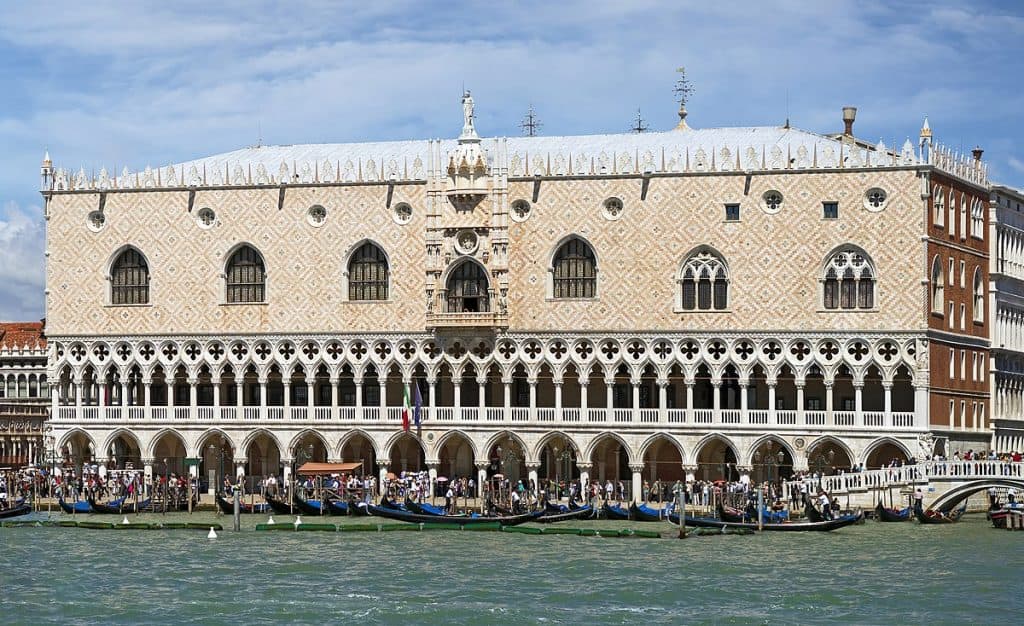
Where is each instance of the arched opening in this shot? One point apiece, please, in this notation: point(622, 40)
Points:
point(262, 458)
point(716, 460)
point(663, 466)
point(827, 457)
point(874, 397)
point(885, 454)
point(245, 276)
point(217, 457)
point(609, 460)
point(771, 461)
point(407, 455)
point(558, 458)
point(125, 452)
point(785, 393)
point(468, 289)
point(574, 270)
point(903, 391)
point(78, 448)
point(310, 448)
point(359, 449)
point(456, 457)
point(169, 454)
point(368, 273)
point(507, 457)
point(129, 279)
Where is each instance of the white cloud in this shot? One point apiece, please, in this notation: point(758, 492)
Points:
point(21, 265)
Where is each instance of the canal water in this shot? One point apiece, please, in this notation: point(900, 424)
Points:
point(869, 574)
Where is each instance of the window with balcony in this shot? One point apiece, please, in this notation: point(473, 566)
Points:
point(849, 281)
point(703, 282)
point(467, 289)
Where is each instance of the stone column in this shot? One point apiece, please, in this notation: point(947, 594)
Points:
point(531, 474)
point(334, 397)
point(240, 393)
point(744, 401)
point(887, 392)
point(584, 479)
point(584, 383)
point(432, 476)
point(801, 417)
point(609, 398)
point(216, 392)
point(716, 401)
point(829, 403)
point(124, 394)
point(383, 382)
point(637, 487)
point(662, 400)
point(457, 391)
point(262, 400)
point(689, 401)
point(533, 399)
point(558, 399)
point(773, 416)
point(635, 403)
point(193, 393)
point(382, 475)
point(508, 399)
point(287, 384)
point(858, 402)
point(310, 390)
point(481, 478)
point(482, 397)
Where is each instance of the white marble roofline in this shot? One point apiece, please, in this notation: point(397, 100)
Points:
point(688, 151)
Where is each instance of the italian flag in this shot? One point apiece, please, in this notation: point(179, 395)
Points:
point(405, 408)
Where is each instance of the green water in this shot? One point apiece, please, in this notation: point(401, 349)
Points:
point(870, 574)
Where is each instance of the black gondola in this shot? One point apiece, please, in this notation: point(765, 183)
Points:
point(310, 507)
point(337, 507)
point(462, 520)
point(615, 512)
point(885, 514)
point(118, 507)
point(227, 507)
point(279, 506)
point(577, 513)
point(938, 517)
point(422, 508)
point(81, 507)
point(15, 511)
point(825, 525)
point(358, 508)
point(644, 513)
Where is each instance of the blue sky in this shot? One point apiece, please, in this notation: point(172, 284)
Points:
point(109, 84)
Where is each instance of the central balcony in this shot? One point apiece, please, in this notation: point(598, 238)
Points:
point(476, 319)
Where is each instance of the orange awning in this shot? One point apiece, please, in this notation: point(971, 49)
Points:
point(321, 469)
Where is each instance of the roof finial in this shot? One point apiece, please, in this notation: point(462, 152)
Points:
point(640, 126)
point(683, 90)
point(468, 131)
point(926, 130)
point(530, 123)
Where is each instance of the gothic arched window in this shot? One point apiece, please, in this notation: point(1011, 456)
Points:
point(937, 285)
point(704, 282)
point(849, 280)
point(468, 289)
point(574, 270)
point(129, 278)
point(368, 273)
point(939, 205)
point(246, 276)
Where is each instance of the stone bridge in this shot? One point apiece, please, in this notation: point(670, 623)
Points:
point(945, 483)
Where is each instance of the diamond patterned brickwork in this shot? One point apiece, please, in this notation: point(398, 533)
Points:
point(304, 264)
point(774, 261)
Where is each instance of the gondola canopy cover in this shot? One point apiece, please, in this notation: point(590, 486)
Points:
point(326, 469)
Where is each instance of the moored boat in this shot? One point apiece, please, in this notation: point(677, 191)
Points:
point(824, 525)
point(81, 507)
point(119, 506)
point(16, 510)
point(644, 513)
point(310, 507)
point(279, 506)
point(938, 517)
point(564, 516)
point(615, 512)
point(885, 514)
point(227, 507)
point(462, 520)
point(422, 508)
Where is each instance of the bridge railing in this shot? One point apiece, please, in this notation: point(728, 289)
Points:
point(912, 474)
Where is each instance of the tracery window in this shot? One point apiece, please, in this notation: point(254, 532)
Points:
point(574, 270)
point(129, 279)
point(246, 276)
point(704, 282)
point(977, 219)
point(849, 281)
point(937, 285)
point(939, 207)
point(368, 273)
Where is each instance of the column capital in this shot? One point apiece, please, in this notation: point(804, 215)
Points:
point(532, 466)
point(744, 469)
point(661, 382)
point(383, 463)
point(690, 468)
point(584, 467)
point(147, 461)
point(886, 385)
point(636, 467)
point(482, 465)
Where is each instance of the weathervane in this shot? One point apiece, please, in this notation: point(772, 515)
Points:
point(530, 123)
point(683, 90)
point(640, 126)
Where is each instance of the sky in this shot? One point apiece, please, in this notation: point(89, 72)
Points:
point(110, 84)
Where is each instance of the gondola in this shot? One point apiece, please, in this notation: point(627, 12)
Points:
point(16, 510)
point(279, 506)
point(337, 507)
point(462, 520)
point(310, 507)
point(938, 517)
point(358, 508)
point(824, 525)
point(227, 507)
point(615, 512)
point(730, 514)
point(580, 512)
point(422, 508)
point(81, 507)
point(119, 506)
point(885, 514)
point(551, 507)
point(644, 513)
point(386, 503)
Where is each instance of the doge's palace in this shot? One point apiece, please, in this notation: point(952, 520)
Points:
point(631, 307)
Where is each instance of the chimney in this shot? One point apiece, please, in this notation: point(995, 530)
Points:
point(849, 115)
point(977, 152)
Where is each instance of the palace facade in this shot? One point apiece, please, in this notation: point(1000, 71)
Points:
point(718, 302)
